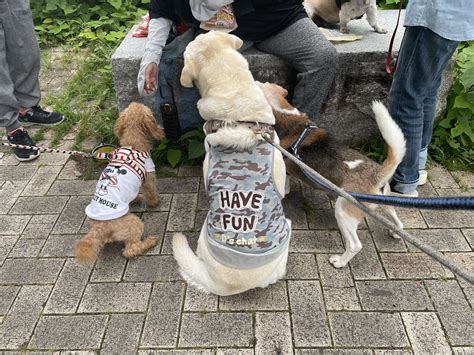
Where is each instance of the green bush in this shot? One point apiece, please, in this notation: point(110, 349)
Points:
point(453, 136)
point(86, 21)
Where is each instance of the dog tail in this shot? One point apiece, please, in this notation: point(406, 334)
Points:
point(88, 248)
point(191, 267)
point(393, 136)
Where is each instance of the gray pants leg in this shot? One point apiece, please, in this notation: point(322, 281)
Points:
point(19, 61)
point(304, 47)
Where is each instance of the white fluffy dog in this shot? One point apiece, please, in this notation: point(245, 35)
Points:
point(244, 241)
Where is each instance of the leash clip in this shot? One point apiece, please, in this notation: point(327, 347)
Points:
point(294, 148)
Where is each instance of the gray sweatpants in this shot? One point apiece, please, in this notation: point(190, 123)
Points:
point(305, 48)
point(19, 61)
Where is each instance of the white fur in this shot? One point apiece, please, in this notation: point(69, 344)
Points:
point(228, 93)
point(353, 164)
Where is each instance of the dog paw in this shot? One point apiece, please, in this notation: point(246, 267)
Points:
point(336, 261)
point(394, 235)
point(152, 201)
point(152, 241)
point(379, 29)
point(344, 30)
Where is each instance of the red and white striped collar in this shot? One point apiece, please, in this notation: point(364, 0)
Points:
point(133, 159)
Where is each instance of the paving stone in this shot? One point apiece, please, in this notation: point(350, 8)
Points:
point(411, 266)
point(192, 238)
point(69, 287)
point(6, 245)
point(411, 218)
point(30, 271)
point(51, 158)
point(190, 170)
point(152, 268)
point(164, 205)
point(115, 297)
point(235, 352)
point(27, 248)
point(441, 178)
point(341, 299)
point(310, 327)
point(203, 202)
point(178, 352)
point(271, 298)
point(322, 219)
point(454, 311)
point(163, 316)
point(73, 216)
point(469, 234)
point(59, 245)
point(293, 205)
point(393, 296)
point(12, 224)
point(76, 188)
point(316, 242)
point(216, 329)
point(39, 205)
point(425, 333)
point(301, 266)
point(333, 352)
point(7, 296)
point(454, 192)
point(70, 171)
point(8, 159)
point(465, 178)
point(44, 219)
point(366, 264)
point(37, 230)
point(463, 351)
point(19, 172)
point(393, 352)
point(440, 239)
point(155, 223)
point(273, 333)
point(18, 324)
point(182, 212)
point(178, 185)
point(123, 334)
point(110, 265)
point(197, 300)
point(331, 276)
point(382, 238)
point(200, 220)
point(9, 191)
point(448, 219)
point(41, 181)
point(69, 332)
point(368, 329)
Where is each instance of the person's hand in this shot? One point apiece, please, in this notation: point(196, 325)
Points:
point(151, 75)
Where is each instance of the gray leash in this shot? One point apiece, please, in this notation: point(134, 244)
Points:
point(49, 150)
point(435, 254)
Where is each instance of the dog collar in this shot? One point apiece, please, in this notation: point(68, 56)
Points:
point(130, 157)
point(213, 126)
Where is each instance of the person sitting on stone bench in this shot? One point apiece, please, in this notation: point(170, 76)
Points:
point(281, 28)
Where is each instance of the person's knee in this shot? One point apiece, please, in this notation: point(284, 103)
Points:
point(325, 58)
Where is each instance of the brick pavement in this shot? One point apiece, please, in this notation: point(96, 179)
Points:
point(392, 299)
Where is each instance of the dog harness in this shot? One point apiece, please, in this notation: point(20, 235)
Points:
point(246, 227)
point(119, 183)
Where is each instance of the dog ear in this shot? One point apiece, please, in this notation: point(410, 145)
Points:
point(188, 74)
point(154, 130)
point(283, 92)
point(234, 41)
point(120, 124)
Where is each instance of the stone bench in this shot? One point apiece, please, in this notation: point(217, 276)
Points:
point(360, 77)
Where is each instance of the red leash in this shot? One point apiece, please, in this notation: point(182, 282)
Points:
point(388, 67)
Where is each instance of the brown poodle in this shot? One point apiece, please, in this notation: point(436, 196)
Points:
point(130, 168)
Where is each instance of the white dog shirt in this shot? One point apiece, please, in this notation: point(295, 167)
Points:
point(246, 226)
point(119, 184)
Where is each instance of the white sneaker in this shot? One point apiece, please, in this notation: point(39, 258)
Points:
point(423, 177)
point(401, 194)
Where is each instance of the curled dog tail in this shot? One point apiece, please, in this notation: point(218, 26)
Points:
point(191, 267)
point(393, 136)
point(88, 248)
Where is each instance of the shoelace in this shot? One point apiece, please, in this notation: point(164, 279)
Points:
point(38, 110)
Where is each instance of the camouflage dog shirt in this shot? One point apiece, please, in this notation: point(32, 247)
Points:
point(246, 225)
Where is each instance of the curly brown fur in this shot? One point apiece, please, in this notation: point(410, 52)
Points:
point(136, 127)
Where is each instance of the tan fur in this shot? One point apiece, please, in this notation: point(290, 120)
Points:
point(136, 127)
point(228, 93)
point(327, 157)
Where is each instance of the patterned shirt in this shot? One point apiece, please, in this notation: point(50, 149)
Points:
point(246, 225)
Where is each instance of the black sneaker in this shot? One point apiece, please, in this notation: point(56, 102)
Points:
point(36, 115)
point(20, 136)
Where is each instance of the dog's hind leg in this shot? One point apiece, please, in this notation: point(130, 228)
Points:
point(348, 226)
point(393, 215)
point(88, 248)
point(132, 236)
point(150, 193)
point(372, 19)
